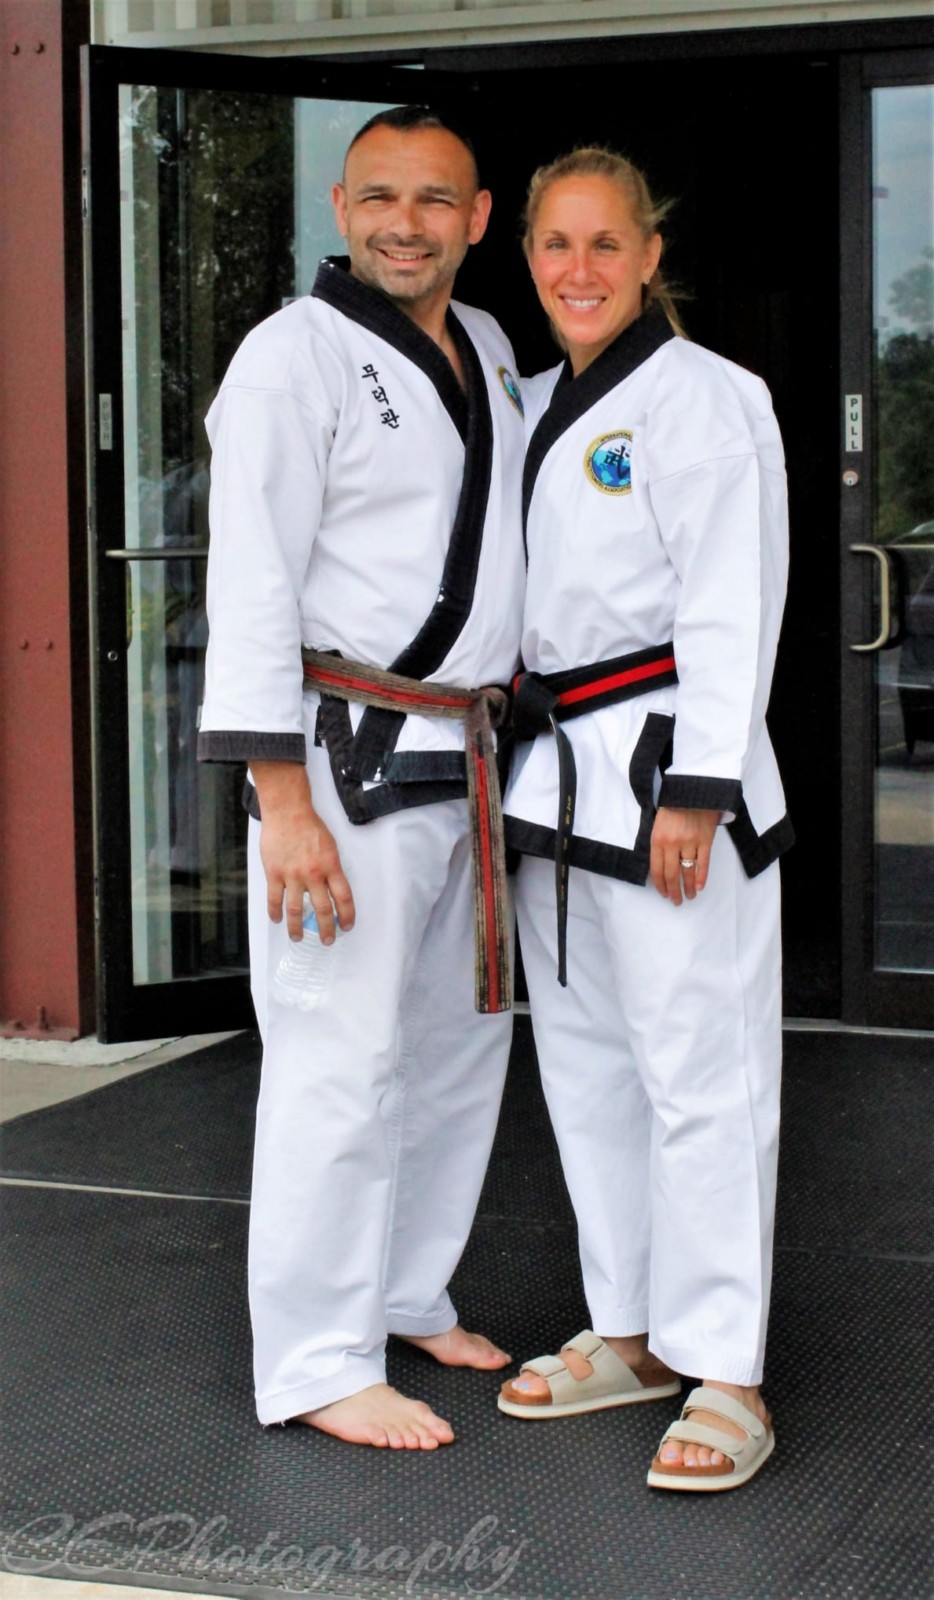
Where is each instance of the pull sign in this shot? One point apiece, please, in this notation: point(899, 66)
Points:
point(105, 415)
point(853, 422)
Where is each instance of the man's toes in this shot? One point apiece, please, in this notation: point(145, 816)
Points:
point(490, 1354)
point(426, 1440)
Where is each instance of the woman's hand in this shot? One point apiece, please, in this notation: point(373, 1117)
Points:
point(680, 857)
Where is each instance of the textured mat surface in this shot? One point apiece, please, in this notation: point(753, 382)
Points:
point(130, 1445)
point(855, 1168)
point(185, 1127)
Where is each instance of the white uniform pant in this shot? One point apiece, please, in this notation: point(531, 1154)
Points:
point(661, 1065)
point(376, 1112)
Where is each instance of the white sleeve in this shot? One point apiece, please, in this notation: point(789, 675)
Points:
point(724, 526)
point(268, 469)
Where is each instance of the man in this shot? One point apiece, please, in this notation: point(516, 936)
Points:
point(365, 502)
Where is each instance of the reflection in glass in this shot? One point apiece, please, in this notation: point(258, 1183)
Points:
point(903, 321)
point(225, 213)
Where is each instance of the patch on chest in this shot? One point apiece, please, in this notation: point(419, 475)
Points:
point(608, 462)
point(511, 387)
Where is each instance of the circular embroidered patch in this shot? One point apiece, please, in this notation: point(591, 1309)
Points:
point(607, 462)
point(512, 388)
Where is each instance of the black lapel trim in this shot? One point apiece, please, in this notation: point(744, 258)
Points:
point(459, 579)
point(374, 311)
point(379, 730)
point(572, 397)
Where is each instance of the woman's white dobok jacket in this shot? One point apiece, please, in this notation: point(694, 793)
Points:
point(655, 505)
point(361, 502)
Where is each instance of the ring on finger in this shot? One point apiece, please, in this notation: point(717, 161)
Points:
point(686, 865)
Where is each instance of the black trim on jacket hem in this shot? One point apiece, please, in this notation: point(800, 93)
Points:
point(420, 777)
point(758, 850)
point(384, 801)
point(220, 745)
point(572, 397)
point(592, 855)
point(684, 790)
point(651, 753)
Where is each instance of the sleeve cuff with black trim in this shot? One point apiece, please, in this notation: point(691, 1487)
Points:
point(690, 793)
point(219, 745)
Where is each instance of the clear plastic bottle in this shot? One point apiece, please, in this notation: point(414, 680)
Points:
point(304, 974)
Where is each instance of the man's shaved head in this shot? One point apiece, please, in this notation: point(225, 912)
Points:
point(408, 119)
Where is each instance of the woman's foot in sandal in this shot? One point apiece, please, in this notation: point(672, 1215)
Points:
point(697, 1452)
point(589, 1374)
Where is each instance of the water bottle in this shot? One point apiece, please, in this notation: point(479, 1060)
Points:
point(303, 976)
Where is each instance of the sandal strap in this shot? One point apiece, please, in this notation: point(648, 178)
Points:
point(586, 1343)
point(724, 1405)
point(700, 1433)
point(610, 1375)
point(608, 1367)
point(545, 1367)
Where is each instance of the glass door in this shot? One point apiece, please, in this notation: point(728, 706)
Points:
point(888, 567)
point(208, 183)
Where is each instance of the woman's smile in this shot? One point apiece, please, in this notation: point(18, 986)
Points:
point(590, 263)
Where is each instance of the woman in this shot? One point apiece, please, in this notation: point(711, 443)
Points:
point(657, 538)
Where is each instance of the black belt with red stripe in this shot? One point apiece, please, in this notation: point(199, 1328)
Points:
point(480, 710)
point(543, 700)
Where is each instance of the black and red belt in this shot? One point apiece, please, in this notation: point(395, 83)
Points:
point(543, 700)
point(480, 710)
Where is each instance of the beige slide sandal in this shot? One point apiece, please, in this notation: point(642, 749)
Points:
point(610, 1383)
point(744, 1456)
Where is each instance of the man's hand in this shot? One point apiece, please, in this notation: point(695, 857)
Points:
point(298, 852)
point(680, 855)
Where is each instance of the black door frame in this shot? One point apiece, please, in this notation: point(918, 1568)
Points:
point(184, 1005)
point(870, 997)
point(209, 1003)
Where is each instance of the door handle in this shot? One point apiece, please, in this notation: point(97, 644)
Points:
point(163, 553)
point(884, 636)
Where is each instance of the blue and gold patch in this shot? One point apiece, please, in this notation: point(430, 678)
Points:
point(608, 462)
point(512, 388)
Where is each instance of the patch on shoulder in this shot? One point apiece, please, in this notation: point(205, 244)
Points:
point(511, 387)
point(608, 462)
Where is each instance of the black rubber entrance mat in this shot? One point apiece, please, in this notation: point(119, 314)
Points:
point(131, 1449)
point(857, 1110)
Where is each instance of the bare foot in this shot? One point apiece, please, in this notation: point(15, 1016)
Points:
point(457, 1348)
point(633, 1350)
point(676, 1454)
point(383, 1417)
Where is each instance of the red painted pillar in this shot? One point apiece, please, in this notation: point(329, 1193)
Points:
point(46, 914)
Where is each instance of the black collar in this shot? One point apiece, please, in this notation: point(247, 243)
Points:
point(378, 730)
point(375, 311)
point(572, 396)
